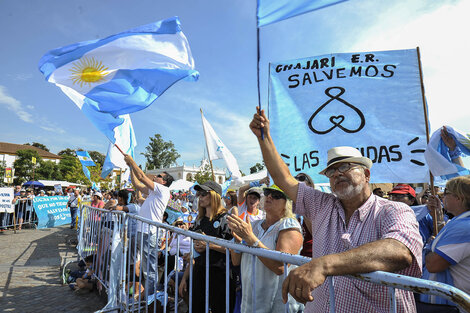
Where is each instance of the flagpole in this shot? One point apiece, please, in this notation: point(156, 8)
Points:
point(207, 147)
point(116, 146)
point(257, 69)
point(426, 122)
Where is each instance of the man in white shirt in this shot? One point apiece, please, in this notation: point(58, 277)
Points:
point(157, 189)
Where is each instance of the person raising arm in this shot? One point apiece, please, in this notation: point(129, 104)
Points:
point(353, 232)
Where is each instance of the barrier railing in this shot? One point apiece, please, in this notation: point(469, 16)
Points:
point(133, 285)
point(23, 214)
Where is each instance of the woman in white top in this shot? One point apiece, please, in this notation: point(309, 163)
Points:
point(278, 231)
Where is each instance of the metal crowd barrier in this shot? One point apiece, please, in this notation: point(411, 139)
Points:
point(22, 215)
point(130, 245)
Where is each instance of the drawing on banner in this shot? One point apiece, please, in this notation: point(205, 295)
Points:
point(337, 120)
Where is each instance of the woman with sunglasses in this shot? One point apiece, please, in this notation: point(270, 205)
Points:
point(278, 231)
point(230, 200)
point(211, 221)
point(447, 257)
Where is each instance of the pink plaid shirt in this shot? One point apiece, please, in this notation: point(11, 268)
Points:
point(376, 219)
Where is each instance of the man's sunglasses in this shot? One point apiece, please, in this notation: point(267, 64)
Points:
point(161, 176)
point(276, 195)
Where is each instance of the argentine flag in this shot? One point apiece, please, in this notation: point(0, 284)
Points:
point(84, 158)
point(122, 73)
point(437, 154)
point(272, 11)
point(124, 137)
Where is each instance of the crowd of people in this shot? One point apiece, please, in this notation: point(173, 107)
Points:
point(351, 230)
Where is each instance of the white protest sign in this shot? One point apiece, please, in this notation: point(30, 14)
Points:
point(6, 197)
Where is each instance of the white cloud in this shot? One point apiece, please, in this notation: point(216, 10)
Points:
point(14, 105)
point(438, 32)
point(30, 107)
point(53, 129)
point(23, 76)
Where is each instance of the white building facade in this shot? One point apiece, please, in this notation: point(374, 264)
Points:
point(188, 173)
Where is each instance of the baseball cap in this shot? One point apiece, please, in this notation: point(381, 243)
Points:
point(256, 190)
point(403, 189)
point(209, 185)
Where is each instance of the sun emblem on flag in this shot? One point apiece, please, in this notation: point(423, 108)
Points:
point(88, 71)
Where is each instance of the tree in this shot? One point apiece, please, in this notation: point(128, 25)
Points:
point(3, 165)
point(256, 168)
point(68, 152)
point(71, 170)
point(160, 153)
point(98, 157)
point(37, 145)
point(204, 174)
point(24, 165)
point(48, 170)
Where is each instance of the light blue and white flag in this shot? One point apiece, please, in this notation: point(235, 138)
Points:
point(371, 101)
point(85, 158)
point(450, 244)
point(438, 155)
point(216, 149)
point(272, 11)
point(124, 137)
point(226, 185)
point(122, 73)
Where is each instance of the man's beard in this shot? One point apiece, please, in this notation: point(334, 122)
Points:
point(349, 192)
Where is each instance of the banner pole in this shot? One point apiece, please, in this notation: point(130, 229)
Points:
point(257, 70)
point(207, 147)
point(426, 121)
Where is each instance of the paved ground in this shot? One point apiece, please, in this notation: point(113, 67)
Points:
point(30, 276)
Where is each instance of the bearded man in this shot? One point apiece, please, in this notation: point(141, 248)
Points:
point(353, 232)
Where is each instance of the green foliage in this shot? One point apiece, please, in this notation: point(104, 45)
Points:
point(24, 166)
point(256, 168)
point(37, 145)
point(68, 151)
point(3, 165)
point(48, 170)
point(71, 170)
point(160, 153)
point(97, 157)
point(204, 174)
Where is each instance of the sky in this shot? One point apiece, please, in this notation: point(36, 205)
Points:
point(222, 36)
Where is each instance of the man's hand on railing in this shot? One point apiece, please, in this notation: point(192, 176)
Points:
point(302, 280)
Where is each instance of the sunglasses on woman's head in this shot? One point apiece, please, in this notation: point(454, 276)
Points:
point(276, 195)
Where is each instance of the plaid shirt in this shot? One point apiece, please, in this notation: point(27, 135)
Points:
point(376, 219)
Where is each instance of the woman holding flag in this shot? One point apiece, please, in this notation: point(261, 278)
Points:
point(448, 255)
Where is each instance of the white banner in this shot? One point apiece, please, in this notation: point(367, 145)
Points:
point(6, 197)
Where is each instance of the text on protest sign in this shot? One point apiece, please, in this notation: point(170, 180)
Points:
point(6, 198)
point(52, 211)
point(371, 101)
